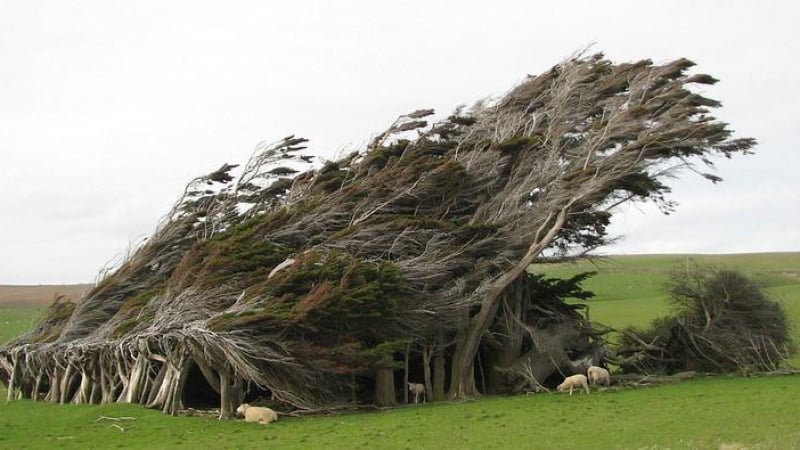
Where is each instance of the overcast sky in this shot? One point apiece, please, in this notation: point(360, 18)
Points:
point(107, 108)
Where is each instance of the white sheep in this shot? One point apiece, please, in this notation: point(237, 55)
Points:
point(258, 414)
point(417, 390)
point(598, 375)
point(574, 381)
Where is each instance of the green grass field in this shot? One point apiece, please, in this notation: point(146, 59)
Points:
point(702, 413)
point(694, 414)
point(15, 320)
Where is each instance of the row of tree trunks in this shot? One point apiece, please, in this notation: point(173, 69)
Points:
point(113, 374)
point(433, 369)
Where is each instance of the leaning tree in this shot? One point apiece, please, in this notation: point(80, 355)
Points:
point(314, 286)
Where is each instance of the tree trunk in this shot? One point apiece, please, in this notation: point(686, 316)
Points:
point(84, 390)
point(12, 378)
point(37, 385)
point(176, 401)
point(439, 369)
point(231, 394)
point(405, 373)
point(426, 371)
point(384, 387)
point(157, 394)
point(66, 384)
point(54, 394)
point(462, 377)
point(136, 379)
point(510, 336)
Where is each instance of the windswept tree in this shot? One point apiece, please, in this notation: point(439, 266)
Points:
point(310, 286)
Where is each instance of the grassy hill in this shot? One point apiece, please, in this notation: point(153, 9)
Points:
point(702, 413)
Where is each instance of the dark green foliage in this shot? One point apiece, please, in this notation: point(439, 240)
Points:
point(462, 120)
point(283, 171)
point(330, 178)
point(379, 157)
point(239, 254)
point(131, 312)
point(550, 294)
point(328, 300)
point(222, 175)
point(326, 294)
point(559, 289)
point(586, 229)
point(519, 142)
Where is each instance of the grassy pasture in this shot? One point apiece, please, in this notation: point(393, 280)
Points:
point(756, 413)
point(15, 320)
point(702, 413)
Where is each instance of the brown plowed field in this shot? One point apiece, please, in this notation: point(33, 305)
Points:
point(12, 295)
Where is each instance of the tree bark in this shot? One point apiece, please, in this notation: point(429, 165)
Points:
point(439, 369)
point(384, 387)
point(231, 394)
point(54, 395)
point(405, 373)
point(12, 378)
point(511, 337)
point(426, 372)
point(462, 377)
point(37, 385)
point(136, 379)
point(66, 384)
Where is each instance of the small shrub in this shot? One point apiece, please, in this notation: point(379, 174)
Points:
point(722, 322)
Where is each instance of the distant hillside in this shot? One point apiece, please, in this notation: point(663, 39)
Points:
point(15, 295)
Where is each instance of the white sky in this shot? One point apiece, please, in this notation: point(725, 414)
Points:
point(107, 108)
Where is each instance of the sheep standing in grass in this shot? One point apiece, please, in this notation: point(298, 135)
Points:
point(258, 414)
point(417, 390)
point(574, 381)
point(598, 375)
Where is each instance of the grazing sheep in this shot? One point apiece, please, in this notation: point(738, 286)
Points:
point(574, 381)
point(258, 414)
point(417, 390)
point(598, 375)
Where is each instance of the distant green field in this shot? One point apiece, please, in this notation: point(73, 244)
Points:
point(15, 320)
point(630, 289)
point(697, 414)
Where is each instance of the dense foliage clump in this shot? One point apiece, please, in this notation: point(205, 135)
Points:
point(723, 322)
